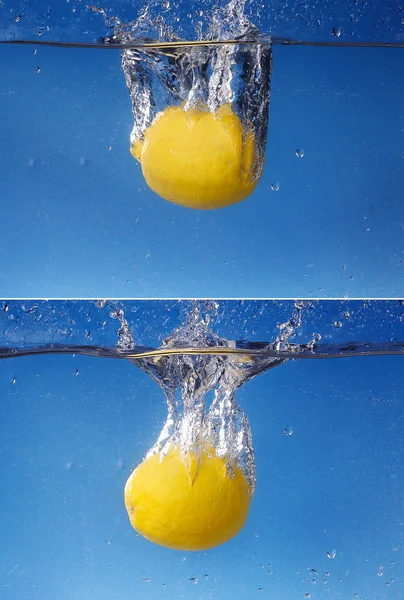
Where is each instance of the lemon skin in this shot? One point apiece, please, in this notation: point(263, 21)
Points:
point(187, 504)
point(198, 159)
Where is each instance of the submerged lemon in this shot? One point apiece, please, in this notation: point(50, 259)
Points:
point(192, 505)
point(198, 159)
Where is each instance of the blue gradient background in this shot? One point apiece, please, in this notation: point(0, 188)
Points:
point(69, 442)
point(78, 219)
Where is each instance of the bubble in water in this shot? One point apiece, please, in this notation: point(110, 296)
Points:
point(331, 553)
point(307, 595)
point(194, 580)
point(288, 431)
point(275, 187)
point(299, 152)
point(336, 31)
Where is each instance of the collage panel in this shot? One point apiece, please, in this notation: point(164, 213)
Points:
point(202, 449)
point(213, 149)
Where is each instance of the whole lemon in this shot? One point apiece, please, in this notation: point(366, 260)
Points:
point(198, 159)
point(187, 503)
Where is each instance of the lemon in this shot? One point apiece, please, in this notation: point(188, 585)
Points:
point(198, 159)
point(187, 504)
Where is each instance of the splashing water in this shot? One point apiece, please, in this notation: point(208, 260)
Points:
point(193, 490)
point(230, 82)
point(192, 421)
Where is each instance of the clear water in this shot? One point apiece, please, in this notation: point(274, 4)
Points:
point(332, 174)
point(326, 517)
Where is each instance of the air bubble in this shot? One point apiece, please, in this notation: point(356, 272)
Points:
point(299, 152)
point(275, 187)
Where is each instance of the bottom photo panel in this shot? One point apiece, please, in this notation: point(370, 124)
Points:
point(202, 449)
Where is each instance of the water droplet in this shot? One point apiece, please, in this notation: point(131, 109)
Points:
point(327, 573)
point(194, 580)
point(76, 372)
point(260, 589)
point(337, 324)
point(299, 152)
point(165, 5)
point(380, 574)
point(16, 19)
point(331, 553)
point(307, 595)
point(336, 31)
point(288, 431)
point(38, 70)
point(275, 187)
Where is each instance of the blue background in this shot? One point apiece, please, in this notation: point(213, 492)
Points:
point(78, 219)
point(73, 427)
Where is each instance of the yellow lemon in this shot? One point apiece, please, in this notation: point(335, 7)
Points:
point(187, 504)
point(198, 159)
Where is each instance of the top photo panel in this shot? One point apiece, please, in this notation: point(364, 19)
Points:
point(202, 149)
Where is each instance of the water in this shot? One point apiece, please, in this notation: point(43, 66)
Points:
point(326, 434)
point(69, 177)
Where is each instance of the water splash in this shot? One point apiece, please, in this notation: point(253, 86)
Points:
point(205, 77)
point(200, 390)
